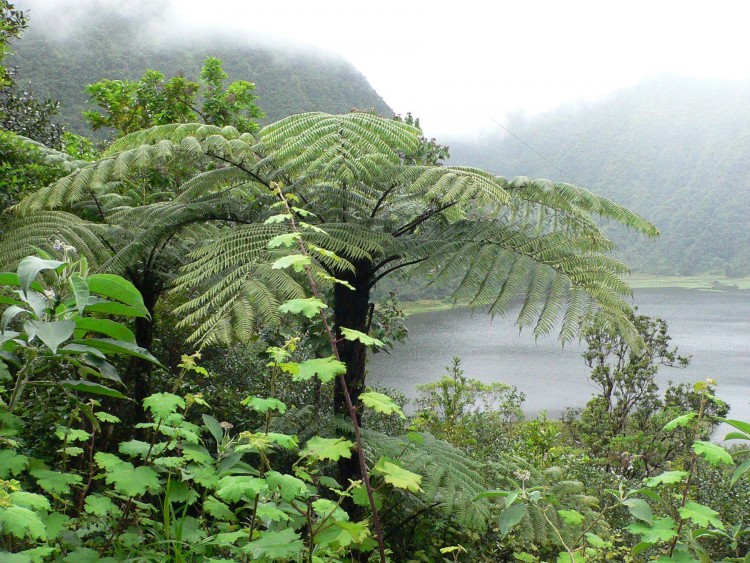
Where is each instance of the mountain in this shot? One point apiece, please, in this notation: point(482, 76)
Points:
point(674, 149)
point(123, 44)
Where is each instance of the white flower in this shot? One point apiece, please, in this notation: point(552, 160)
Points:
point(49, 294)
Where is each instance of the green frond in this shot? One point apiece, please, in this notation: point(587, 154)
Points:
point(449, 477)
point(41, 230)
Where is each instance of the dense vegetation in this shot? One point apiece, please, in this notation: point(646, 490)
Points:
point(260, 246)
point(671, 148)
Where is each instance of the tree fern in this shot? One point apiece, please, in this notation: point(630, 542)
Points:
point(367, 200)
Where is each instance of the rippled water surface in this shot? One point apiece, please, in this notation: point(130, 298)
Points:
point(713, 327)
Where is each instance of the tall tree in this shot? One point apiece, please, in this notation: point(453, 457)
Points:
point(363, 198)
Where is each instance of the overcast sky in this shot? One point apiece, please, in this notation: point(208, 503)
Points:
point(458, 64)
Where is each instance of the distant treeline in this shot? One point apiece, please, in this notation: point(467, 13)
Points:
point(675, 149)
point(114, 47)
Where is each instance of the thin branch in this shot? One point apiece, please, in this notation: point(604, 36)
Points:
point(409, 227)
point(394, 268)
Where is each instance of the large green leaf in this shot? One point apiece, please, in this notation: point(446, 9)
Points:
point(381, 403)
point(662, 529)
point(52, 333)
point(162, 405)
point(397, 476)
point(351, 334)
point(233, 487)
point(128, 480)
point(112, 346)
point(30, 266)
point(740, 471)
point(309, 307)
point(97, 305)
point(111, 328)
point(80, 292)
point(119, 289)
point(327, 448)
point(11, 279)
point(11, 463)
point(702, 515)
point(21, 523)
point(640, 509)
point(713, 453)
point(54, 481)
point(297, 262)
point(510, 517)
point(325, 368)
point(667, 478)
point(90, 387)
point(9, 314)
point(264, 405)
point(283, 545)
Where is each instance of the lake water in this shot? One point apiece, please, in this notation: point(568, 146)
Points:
point(712, 326)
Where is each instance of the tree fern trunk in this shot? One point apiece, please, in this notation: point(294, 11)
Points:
point(351, 308)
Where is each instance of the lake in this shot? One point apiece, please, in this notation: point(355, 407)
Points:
point(711, 326)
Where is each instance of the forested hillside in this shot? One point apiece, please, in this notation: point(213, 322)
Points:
point(105, 45)
point(674, 149)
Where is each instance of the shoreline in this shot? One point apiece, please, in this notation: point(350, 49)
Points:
point(636, 281)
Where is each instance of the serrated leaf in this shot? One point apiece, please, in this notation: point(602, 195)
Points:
point(325, 368)
point(54, 481)
point(288, 487)
point(309, 307)
point(286, 240)
point(297, 262)
point(680, 421)
point(713, 453)
point(331, 449)
point(11, 463)
point(132, 481)
point(107, 417)
point(342, 533)
point(666, 478)
point(285, 545)
point(99, 505)
point(32, 501)
point(280, 218)
point(232, 488)
point(381, 403)
point(264, 405)
point(162, 405)
point(22, 523)
point(571, 517)
point(594, 540)
point(397, 476)
point(662, 529)
point(352, 335)
point(287, 441)
point(701, 515)
point(218, 510)
point(510, 517)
